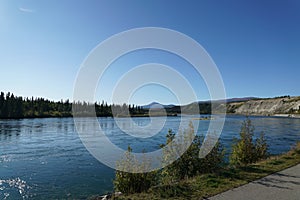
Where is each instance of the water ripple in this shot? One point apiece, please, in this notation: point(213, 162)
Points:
point(13, 185)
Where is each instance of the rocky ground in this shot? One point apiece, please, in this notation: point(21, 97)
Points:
point(281, 107)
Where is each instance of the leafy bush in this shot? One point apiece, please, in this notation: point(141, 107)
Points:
point(129, 183)
point(245, 150)
point(189, 164)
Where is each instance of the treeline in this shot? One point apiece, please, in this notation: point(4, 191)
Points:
point(193, 108)
point(14, 107)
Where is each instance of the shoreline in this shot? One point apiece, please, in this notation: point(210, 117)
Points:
point(291, 116)
point(86, 116)
point(296, 116)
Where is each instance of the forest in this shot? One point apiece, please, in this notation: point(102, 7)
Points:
point(14, 107)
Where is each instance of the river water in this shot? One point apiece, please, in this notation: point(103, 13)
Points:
point(45, 158)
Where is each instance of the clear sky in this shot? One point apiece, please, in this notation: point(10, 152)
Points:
point(255, 44)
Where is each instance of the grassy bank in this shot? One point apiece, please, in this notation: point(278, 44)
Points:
point(206, 185)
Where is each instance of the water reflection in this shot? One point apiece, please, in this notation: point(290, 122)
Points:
point(13, 128)
point(12, 187)
point(9, 130)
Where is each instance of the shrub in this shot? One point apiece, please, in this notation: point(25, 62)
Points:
point(214, 160)
point(129, 183)
point(189, 164)
point(261, 148)
point(244, 150)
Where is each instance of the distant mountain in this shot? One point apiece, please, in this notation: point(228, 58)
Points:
point(156, 105)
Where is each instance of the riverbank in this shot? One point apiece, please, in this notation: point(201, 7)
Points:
point(70, 116)
point(292, 116)
point(265, 106)
point(287, 115)
point(207, 185)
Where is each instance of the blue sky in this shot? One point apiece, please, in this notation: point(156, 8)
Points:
point(255, 44)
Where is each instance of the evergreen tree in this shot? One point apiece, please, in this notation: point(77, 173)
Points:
point(12, 106)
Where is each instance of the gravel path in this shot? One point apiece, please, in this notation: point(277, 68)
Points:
point(284, 185)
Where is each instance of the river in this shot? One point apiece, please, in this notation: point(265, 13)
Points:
point(45, 158)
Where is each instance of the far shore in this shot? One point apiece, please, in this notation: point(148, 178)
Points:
point(288, 115)
point(295, 116)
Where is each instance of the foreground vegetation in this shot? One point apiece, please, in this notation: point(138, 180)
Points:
point(206, 185)
point(191, 177)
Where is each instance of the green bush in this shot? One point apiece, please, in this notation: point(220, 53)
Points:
point(134, 182)
point(189, 164)
point(214, 160)
point(245, 150)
